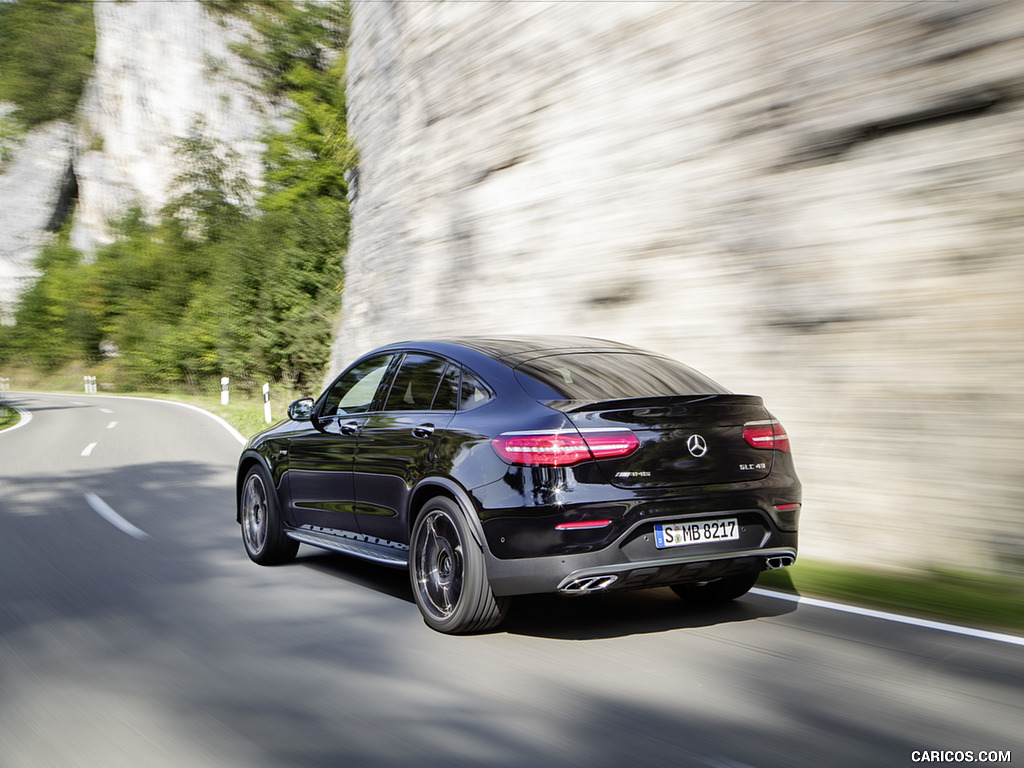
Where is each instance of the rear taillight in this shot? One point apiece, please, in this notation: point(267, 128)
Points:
point(768, 435)
point(563, 449)
point(610, 444)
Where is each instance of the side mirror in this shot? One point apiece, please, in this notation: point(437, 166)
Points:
point(301, 410)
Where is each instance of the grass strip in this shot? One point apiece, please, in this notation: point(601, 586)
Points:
point(8, 417)
point(968, 598)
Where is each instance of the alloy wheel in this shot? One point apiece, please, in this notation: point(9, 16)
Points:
point(254, 514)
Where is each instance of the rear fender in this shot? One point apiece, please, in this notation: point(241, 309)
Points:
point(430, 487)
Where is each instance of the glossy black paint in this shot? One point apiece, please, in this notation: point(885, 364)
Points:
point(367, 471)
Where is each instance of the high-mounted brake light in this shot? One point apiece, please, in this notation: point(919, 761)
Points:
point(563, 449)
point(768, 435)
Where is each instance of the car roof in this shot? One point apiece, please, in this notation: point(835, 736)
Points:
point(513, 350)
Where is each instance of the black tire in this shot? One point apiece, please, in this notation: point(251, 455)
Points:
point(262, 525)
point(448, 575)
point(721, 591)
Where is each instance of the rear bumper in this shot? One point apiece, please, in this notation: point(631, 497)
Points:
point(609, 570)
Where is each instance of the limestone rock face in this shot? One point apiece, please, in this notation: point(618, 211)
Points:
point(159, 67)
point(33, 186)
point(817, 206)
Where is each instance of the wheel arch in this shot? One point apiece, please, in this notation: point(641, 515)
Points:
point(430, 487)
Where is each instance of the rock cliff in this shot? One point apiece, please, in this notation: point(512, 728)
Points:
point(820, 206)
point(159, 67)
point(35, 187)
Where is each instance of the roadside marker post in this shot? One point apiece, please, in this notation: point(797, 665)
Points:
point(90, 385)
point(224, 390)
point(266, 403)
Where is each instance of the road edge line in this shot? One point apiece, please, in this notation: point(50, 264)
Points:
point(220, 420)
point(941, 626)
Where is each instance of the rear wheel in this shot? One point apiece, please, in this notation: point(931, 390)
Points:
point(449, 578)
point(262, 526)
point(720, 591)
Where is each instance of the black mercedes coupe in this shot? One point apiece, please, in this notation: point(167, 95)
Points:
point(493, 467)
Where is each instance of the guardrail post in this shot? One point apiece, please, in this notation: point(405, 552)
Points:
point(266, 403)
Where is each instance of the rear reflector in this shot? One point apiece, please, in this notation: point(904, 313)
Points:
point(786, 507)
point(563, 449)
point(582, 525)
point(768, 435)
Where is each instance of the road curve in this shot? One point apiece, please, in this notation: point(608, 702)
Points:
point(134, 632)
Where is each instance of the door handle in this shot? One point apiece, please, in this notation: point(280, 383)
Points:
point(423, 430)
point(350, 429)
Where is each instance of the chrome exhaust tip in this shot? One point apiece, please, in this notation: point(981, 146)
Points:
point(782, 561)
point(589, 584)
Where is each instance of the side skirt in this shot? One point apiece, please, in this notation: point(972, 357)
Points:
point(375, 550)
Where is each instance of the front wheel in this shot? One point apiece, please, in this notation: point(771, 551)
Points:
point(449, 579)
point(720, 591)
point(262, 526)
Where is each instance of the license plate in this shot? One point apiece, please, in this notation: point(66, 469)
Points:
point(695, 532)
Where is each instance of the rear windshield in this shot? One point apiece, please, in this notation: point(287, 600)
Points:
point(596, 376)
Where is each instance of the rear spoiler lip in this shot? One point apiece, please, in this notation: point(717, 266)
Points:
point(577, 406)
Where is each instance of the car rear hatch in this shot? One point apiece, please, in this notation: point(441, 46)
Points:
point(652, 422)
point(683, 440)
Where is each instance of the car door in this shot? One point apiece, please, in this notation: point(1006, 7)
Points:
point(320, 461)
point(397, 445)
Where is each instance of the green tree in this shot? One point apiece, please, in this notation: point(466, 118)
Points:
point(46, 51)
point(214, 195)
point(57, 319)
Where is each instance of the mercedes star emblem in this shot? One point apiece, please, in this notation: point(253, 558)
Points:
point(698, 445)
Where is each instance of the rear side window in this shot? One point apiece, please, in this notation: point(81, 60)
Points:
point(596, 376)
point(416, 383)
point(473, 392)
point(447, 396)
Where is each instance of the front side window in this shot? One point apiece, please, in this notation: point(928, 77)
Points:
point(355, 390)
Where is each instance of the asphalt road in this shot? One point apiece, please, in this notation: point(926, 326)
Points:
point(135, 632)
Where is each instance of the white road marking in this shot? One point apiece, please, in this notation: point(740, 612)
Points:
point(88, 449)
point(105, 410)
point(941, 626)
point(111, 425)
point(105, 511)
